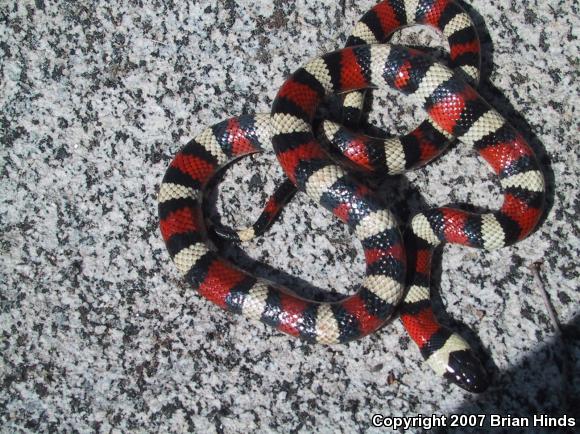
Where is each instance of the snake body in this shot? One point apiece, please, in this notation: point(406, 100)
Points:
point(213, 277)
point(455, 110)
point(398, 154)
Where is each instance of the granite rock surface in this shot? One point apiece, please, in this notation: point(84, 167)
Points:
point(97, 331)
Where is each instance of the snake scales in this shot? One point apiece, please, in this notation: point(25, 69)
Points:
point(397, 270)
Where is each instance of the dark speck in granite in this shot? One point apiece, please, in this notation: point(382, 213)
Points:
point(97, 331)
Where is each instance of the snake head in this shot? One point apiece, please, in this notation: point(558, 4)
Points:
point(465, 370)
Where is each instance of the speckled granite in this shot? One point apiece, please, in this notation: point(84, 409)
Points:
point(98, 332)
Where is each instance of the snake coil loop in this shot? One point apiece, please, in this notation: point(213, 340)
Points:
point(455, 111)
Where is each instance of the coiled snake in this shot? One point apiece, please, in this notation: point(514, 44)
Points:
point(454, 109)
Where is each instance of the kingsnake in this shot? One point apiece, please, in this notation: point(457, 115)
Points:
point(455, 110)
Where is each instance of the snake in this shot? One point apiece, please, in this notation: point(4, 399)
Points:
point(398, 154)
point(454, 110)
